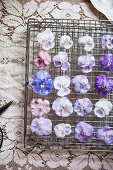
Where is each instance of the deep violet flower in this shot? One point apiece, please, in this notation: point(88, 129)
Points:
point(42, 83)
point(83, 131)
point(106, 62)
point(103, 84)
point(105, 134)
point(83, 106)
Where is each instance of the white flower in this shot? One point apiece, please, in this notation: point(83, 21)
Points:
point(66, 41)
point(46, 39)
point(87, 41)
point(62, 106)
point(102, 108)
point(66, 10)
point(62, 83)
point(62, 130)
point(56, 158)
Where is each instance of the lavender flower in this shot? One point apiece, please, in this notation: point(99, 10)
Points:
point(87, 41)
point(62, 83)
point(39, 107)
point(103, 84)
point(87, 62)
point(61, 60)
point(42, 83)
point(62, 130)
point(102, 108)
point(107, 41)
point(83, 131)
point(62, 106)
point(83, 106)
point(66, 41)
point(46, 39)
point(81, 84)
point(41, 126)
point(106, 62)
point(105, 134)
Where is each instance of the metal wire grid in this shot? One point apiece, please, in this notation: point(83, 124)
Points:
point(76, 29)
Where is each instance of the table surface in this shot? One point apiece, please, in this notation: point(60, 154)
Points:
point(13, 18)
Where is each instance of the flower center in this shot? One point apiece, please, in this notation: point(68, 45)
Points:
point(109, 64)
point(42, 85)
point(103, 87)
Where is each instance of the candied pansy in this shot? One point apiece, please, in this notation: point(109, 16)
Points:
point(83, 131)
point(103, 84)
point(102, 108)
point(87, 41)
point(86, 62)
point(43, 59)
point(61, 60)
point(107, 41)
point(41, 126)
point(39, 107)
point(41, 83)
point(81, 84)
point(62, 107)
point(46, 39)
point(106, 62)
point(62, 83)
point(66, 41)
point(83, 106)
point(62, 130)
point(105, 134)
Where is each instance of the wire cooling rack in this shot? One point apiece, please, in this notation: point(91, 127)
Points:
point(75, 29)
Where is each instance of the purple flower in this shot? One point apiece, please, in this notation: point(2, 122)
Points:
point(87, 62)
point(83, 106)
point(42, 83)
point(103, 84)
point(81, 84)
point(41, 126)
point(107, 41)
point(39, 107)
point(83, 131)
point(62, 106)
point(105, 134)
point(106, 62)
point(61, 60)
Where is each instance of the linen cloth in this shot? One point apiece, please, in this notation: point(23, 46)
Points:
point(13, 19)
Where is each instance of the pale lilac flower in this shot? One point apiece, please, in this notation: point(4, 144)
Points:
point(61, 60)
point(87, 41)
point(62, 83)
point(39, 107)
point(66, 41)
point(86, 62)
point(43, 59)
point(102, 108)
point(81, 84)
point(107, 41)
point(105, 134)
point(83, 131)
point(62, 130)
point(46, 39)
point(83, 106)
point(62, 106)
point(41, 126)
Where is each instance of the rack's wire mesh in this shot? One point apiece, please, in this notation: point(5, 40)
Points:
point(76, 29)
